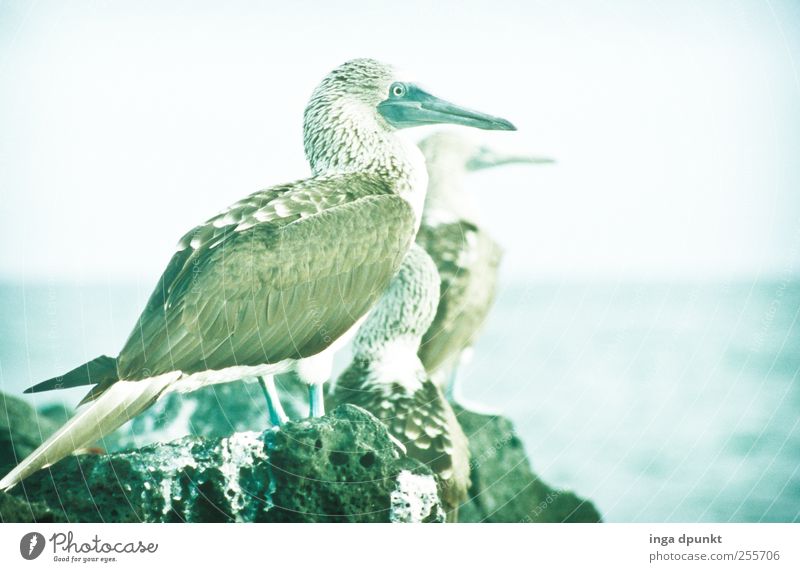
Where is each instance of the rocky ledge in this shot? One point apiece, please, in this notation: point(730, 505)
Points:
point(343, 467)
point(504, 487)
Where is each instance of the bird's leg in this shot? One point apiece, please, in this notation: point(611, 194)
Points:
point(315, 371)
point(316, 400)
point(277, 415)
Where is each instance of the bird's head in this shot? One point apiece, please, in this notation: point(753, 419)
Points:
point(458, 151)
point(363, 100)
point(449, 156)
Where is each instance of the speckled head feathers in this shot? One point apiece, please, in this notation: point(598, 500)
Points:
point(349, 96)
point(342, 129)
point(362, 79)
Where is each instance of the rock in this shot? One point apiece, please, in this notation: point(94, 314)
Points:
point(504, 488)
point(13, 509)
point(338, 460)
point(340, 468)
point(312, 470)
point(21, 430)
point(57, 413)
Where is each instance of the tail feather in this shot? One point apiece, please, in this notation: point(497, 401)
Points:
point(120, 403)
point(101, 369)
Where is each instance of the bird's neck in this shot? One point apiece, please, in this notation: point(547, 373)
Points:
point(389, 338)
point(447, 201)
point(389, 352)
point(393, 361)
point(374, 344)
point(350, 146)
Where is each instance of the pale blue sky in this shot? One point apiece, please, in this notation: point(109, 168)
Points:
point(676, 125)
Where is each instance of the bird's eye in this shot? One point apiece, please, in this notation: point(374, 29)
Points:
point(397, 90)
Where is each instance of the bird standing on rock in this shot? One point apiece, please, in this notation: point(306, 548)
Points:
point(464, 252)
point(273, 280)
point(387, 378)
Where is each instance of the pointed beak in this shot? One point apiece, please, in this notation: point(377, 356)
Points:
point(418, 107)
point(487, 158)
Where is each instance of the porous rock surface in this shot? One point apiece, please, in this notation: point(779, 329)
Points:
point(340, 468)
point(233, 467)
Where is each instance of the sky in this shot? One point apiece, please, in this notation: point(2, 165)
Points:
point(675, 124)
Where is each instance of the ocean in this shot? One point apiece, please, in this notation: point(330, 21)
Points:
point(659, 402)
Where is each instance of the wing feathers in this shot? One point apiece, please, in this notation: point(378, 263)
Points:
point(467, 259)
point(298, 282)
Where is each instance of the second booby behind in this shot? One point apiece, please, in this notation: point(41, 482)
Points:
point(464, 251)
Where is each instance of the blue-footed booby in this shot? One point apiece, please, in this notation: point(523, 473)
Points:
point(387, 378)
point(277, 277)
point(464, 252)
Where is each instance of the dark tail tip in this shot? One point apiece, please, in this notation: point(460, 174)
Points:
point(101, 369)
